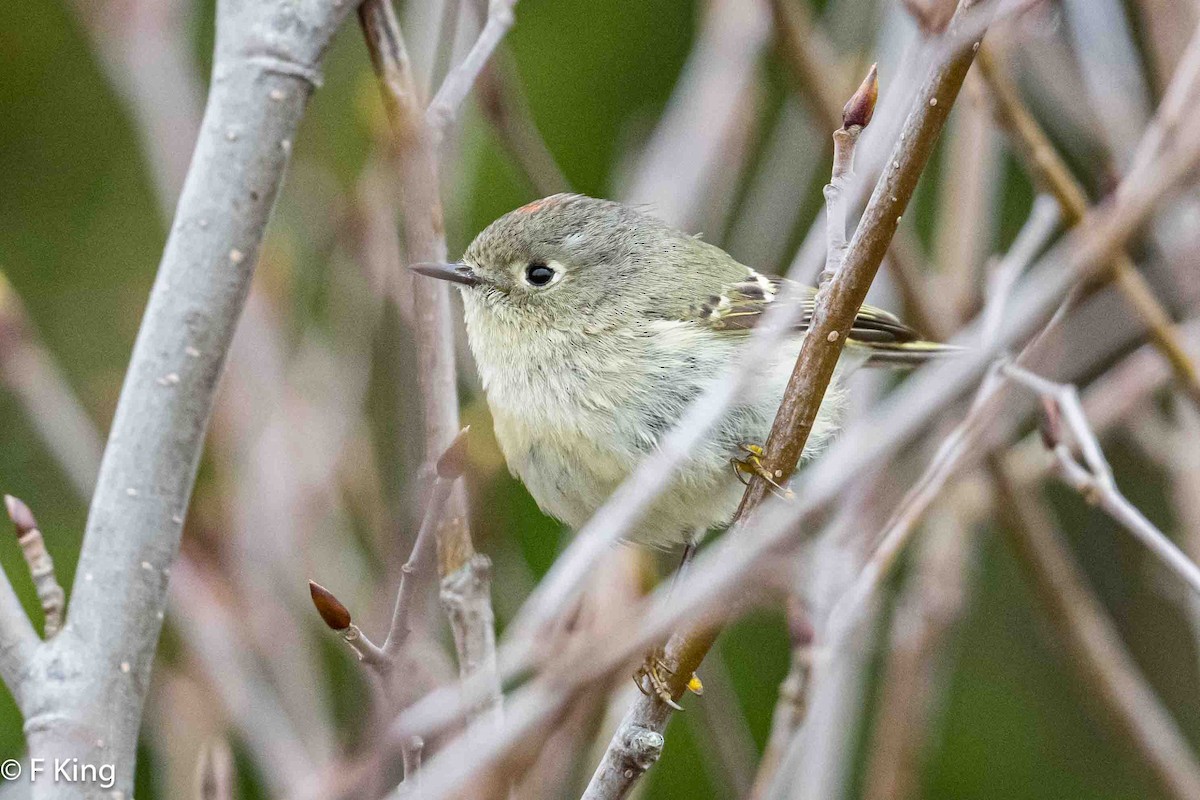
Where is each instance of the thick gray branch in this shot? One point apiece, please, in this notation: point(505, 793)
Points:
point(18, 640)
point(88, 685)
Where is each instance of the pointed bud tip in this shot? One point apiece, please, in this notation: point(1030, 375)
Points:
point(1050, 428)
point(20, 515)
point(335, 615)
point(453, 461)
point(861, 106)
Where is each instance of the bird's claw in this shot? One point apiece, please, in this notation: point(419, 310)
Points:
point(650, 678)
point(752, 464)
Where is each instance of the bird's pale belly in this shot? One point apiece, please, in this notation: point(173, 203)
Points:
point(571, 476)
point(574, 439)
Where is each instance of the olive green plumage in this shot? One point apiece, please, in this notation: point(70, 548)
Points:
point(593, 327)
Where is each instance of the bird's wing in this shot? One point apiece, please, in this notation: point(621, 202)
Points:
point(741, 305)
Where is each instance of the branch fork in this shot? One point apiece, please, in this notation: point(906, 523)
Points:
point(1093, 478)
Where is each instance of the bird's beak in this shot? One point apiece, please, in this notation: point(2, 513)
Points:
point(457, 272)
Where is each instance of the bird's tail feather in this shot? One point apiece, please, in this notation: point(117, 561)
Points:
point(906, 354)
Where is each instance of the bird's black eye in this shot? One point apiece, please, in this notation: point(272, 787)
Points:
point(538, 274)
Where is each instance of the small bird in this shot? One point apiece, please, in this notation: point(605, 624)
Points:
point(594, 325)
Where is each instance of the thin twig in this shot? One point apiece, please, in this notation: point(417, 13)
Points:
point(809, 57)
point(411, 758)
point(1094, 478)
point(41, 566)
point(503, 102)
point(792, 704)
point(424, 241)
point(967, 198)
point(1051, 171)
point(926, 614)
point(811, 63)
point(449, 469)
point(461, 78)
point(232, 670)
point(146, 51)
point(335, 615)
point(1002, 278)
point(815, 762)
point(382, 659)
point(855, 117)
point(722, 731)
point(1177, 101)
point(1113, 680)
point(701, 135)
point(18, 640)
point(445, 40)
point(416, 133)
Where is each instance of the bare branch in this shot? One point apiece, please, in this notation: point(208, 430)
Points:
point(809, 56)
point(1095, 480)
point(855, 117)
point(502, 100)
point(464, 573)
point(1049, 169)
point(18, 640)
point(968, 194)
point(840, 300)
point(411, 757)
point(423, 558)
point(792, 705)
point(41, 566)
point(258, 96)
point(1043, 221)
point(701, 135)
point(382, 660)
point(146, 52)
point(235, 678)
point(458, 82)
point(926, 614)
point(819, 81)
point(1113, 680)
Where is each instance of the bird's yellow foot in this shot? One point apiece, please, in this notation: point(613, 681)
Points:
point(651, 678)
point(752, 464)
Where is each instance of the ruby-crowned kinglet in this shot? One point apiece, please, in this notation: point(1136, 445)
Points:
point(594, 326)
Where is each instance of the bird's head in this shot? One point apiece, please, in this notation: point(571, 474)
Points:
point(567, 261)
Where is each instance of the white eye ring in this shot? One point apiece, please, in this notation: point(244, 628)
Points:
point(541, 275)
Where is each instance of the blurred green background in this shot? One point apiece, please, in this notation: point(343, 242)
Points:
point(80, 236)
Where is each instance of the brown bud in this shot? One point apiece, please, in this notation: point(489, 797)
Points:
point(336, 615)
point(1051, 424)
point(453, 461)
point(799, 623)
point(861, 107)
point(20, 515)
